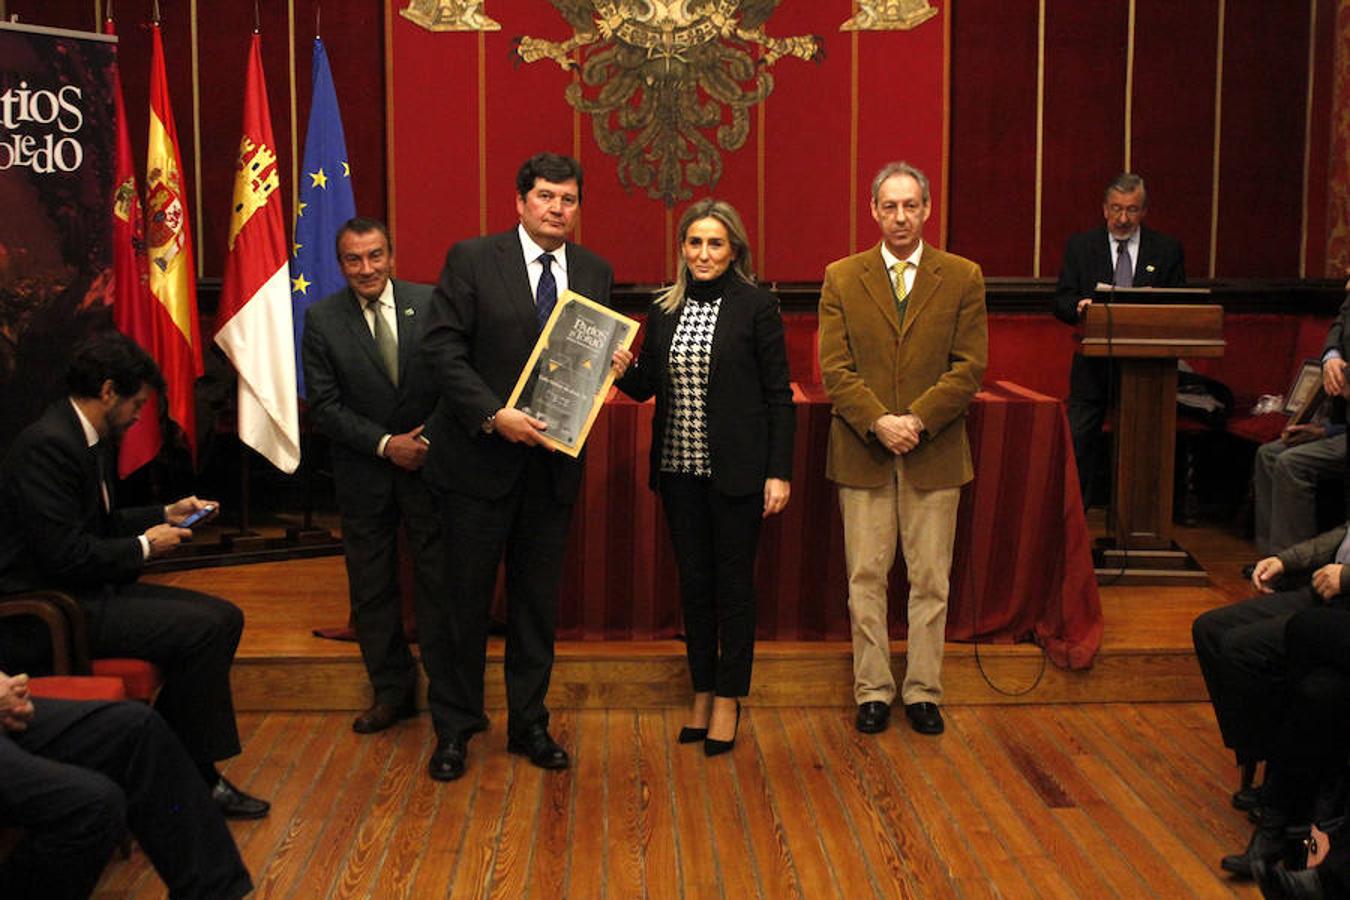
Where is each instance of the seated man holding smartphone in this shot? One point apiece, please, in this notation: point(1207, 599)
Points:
point(60, 528)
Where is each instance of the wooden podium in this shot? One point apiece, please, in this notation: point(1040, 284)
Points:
point(1145, 340)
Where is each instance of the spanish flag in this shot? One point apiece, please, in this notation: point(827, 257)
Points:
point(175, 337)
point(253, 325)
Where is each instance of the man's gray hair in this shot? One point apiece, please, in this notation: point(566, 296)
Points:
point(890, 170)
point(1126, 183)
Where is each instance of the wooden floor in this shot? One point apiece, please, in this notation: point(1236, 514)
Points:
point(1110, 782)
point(1086, 801)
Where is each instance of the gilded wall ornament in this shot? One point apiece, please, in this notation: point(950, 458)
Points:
point(449, 15)
point(668, 82)
point(889, 15)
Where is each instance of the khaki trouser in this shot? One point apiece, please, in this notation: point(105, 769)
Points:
point(925, 523)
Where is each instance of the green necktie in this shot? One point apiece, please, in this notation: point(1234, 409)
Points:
point(901, 294)
point(385, 341)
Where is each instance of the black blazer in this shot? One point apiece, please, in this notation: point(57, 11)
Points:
point(751, 421)
point(1088, 260)
point(351, 398)
point(481, 332)
point(54, 531)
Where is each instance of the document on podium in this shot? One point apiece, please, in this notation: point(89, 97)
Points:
point(568, 375)
point(1113, 293)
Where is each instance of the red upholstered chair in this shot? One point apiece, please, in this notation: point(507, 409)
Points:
point(96, 679)
point(65, 626)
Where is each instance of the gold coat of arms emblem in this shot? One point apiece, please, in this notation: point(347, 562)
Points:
point(668, 83)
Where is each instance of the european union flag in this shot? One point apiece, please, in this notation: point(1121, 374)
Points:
point(325, 204)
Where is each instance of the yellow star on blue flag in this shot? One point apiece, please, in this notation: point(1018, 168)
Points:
point(325, 203)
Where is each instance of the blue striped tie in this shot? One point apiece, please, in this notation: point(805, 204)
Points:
point(546, 294)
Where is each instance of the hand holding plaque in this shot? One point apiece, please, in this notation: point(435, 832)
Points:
point(568, 375)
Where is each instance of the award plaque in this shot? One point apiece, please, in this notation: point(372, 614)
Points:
point(568, 374)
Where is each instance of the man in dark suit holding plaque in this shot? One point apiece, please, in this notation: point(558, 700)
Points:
point(1120, 252)
point(505, 491)
point(371, 394)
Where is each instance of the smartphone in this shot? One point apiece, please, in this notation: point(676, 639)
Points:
point(200, 515)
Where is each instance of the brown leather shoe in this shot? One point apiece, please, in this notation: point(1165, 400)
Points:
point(382, 715)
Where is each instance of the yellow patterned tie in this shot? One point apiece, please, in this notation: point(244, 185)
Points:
point(899, 270)
point(901, 294)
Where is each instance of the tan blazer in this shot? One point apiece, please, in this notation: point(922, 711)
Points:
point(932, 366)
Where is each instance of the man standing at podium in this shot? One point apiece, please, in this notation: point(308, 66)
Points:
point(1124, 253)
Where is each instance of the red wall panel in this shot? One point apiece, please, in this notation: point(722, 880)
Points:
point(807, 194)
point(799, 186)
point(1319, 143)
point(1084, 130)
point(1171, 130)
point(1262, 139)
point(447, 122)
point(993, 144)
point(900, 115)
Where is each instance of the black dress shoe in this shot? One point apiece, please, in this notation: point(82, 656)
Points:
point(714, 747)
point(539, 747)
point(1278, 883)
point(1247, 798)
point(691, 735)
point(235, 804)
point(1268, 845)
point(382, 715)
point(925, 718)
point(873, 717)
point(447, 760)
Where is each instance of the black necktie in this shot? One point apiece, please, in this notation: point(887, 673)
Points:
point(101, 465)
point(546, 294)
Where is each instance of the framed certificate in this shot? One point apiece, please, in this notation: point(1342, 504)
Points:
point(568, 374)
point(1305, 394)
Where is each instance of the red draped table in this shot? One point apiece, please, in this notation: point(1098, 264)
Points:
point(1022, 569)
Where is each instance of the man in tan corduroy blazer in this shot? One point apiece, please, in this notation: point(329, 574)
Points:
point(903, 346)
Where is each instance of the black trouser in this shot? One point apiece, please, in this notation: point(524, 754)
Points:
point(370, 541)
point(1089, 396)
point(529, 525)
point(192, 638)
point(1241, 651)
point(715, 538)
point(81, 774)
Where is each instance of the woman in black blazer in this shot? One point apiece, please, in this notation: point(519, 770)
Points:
point(721, 453)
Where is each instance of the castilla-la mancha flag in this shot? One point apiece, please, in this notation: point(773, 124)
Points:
point(164, 322)
point(253, 326)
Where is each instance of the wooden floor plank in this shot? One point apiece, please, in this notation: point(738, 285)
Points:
point(292, 856)
point(764, 824)
point(437, 863)
point(552, 857)
point(697, 861)
point(478, 850)
point(409, 843)
point(838, 833)
point(625, 809)
point(652, 747)
point(873, 821)
point(1118, 829)
point(1082, 872)
point(359, 873)
point(1076, 801)
point(589, 823)
point(792, 806)
point(735, 856)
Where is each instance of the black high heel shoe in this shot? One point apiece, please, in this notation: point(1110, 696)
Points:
point(691, 735)
point(714, 747)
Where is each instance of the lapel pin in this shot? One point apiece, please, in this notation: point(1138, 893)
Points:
point(409, 311)
point(1148, 268)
